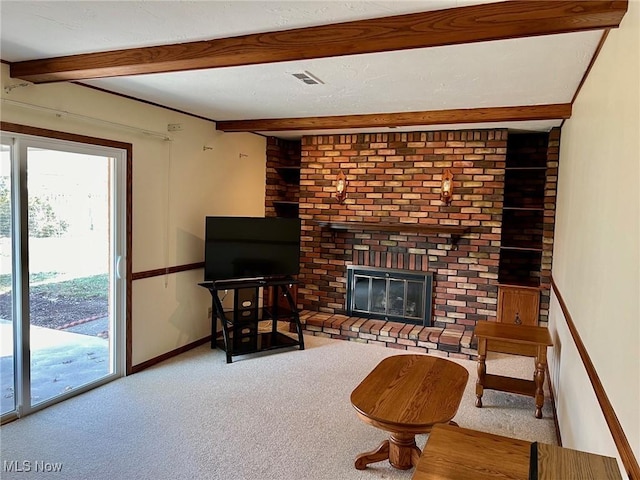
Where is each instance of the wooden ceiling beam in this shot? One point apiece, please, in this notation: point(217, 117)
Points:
point(436, 117)
point(476, 23)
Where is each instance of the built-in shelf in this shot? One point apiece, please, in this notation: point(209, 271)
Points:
point(290, 174)
point(531, 209)
point(289, 168)
point(286, 208)
point(523, 212)
point(527, 168)
point(524, 249)
point(454, 230)
point(525, 284)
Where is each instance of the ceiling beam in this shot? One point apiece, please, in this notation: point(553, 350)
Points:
point(476, 23)
point(436, 117)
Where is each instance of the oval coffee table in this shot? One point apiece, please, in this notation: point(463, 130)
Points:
point(406, 395)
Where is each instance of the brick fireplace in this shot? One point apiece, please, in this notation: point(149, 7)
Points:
point(394, 181)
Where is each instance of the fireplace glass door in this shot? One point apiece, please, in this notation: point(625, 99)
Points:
point(389, 294)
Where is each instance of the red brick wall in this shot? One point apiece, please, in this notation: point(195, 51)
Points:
point(395, 178)
point(550, 193)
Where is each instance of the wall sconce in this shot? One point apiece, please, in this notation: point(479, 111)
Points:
point(446, 190)
point(341, 187)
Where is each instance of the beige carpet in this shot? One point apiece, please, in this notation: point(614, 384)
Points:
point(283, 415)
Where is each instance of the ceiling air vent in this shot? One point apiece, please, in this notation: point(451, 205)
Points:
point(308, 78)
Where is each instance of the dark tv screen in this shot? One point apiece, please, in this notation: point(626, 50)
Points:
point(251, 247)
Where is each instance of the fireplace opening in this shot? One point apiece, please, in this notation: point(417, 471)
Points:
point(389, 294)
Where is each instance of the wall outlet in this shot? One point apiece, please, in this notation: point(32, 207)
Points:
point(174, 127)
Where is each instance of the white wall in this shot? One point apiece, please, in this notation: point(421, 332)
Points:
point(175, 185)
point(596, 261)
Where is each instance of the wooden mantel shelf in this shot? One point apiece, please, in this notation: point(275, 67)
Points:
point(453, 230)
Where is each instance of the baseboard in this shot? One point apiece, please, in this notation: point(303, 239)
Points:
point(168, 355)
point(553, 408)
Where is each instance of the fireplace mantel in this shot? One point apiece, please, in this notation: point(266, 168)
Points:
point(454, 230)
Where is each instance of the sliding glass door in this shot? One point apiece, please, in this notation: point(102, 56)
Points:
point(7, 357)
point(63, 303)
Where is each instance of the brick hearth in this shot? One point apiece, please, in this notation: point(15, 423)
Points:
point(450, 341)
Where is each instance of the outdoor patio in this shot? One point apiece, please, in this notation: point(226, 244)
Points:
point(61, 359)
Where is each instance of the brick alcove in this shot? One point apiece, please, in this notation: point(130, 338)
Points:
point(394, 178)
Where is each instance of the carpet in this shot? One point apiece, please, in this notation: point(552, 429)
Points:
point(272, 415)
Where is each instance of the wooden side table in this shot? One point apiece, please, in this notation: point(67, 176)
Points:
point(461, 454)
point(526, 340)
point(454, 453)
point(550, 462)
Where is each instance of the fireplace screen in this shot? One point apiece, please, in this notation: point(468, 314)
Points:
point(389, 294)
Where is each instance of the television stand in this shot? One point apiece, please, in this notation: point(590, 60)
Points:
point(241, 332)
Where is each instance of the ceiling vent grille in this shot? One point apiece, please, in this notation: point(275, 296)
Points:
point(308, 78)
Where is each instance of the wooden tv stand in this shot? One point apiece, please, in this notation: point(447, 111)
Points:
point(241, 334)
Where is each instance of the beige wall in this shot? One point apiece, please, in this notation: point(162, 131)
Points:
point(175, 185)
point(596, 262)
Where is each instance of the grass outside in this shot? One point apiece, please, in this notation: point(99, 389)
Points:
point(93, 287)
point(58, 304)
point(5, 279)
point(85, 287)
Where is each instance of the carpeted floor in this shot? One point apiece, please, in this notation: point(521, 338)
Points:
point(283, 415)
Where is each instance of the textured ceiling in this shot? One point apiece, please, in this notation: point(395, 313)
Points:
point(526, 71)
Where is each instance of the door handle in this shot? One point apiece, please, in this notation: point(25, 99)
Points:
point(119, 262)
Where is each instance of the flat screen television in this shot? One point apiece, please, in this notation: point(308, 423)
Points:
point(251, 247)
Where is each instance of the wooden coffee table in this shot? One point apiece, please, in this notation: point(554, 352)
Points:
point(406, 395)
